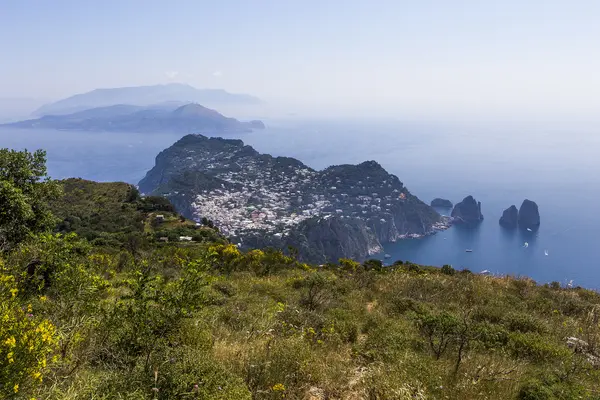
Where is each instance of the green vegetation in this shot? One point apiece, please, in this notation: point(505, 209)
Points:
point(202, 320)
point(113, 214)
point(24, 191)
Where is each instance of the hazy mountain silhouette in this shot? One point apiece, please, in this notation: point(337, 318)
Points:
point(163, 117)
point(143, 96)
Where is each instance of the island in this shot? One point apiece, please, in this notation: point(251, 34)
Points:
point(171, 117)
point(510, 217)
point(467, 211)
point(529, 215)
point(441, 203)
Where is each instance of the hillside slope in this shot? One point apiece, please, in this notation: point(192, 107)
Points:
point(112, 213)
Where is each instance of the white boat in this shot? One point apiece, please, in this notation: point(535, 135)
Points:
point(529, 229)
point(526, 245)
point(469, 250)
point(546, 252)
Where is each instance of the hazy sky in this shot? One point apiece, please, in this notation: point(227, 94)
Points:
point(420, 56)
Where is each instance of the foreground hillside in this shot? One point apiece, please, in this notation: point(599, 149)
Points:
point(203, 320)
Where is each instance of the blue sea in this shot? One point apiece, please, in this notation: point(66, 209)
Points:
point(556, 165)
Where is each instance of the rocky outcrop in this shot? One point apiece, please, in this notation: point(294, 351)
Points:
point(467, 211)
point(258, 200)
point(510, 217)
point(441, 203)
point(529, 215)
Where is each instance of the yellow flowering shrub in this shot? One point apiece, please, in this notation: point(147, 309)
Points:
point(26, 341)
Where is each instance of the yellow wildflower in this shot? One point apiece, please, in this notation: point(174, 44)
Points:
point(16, 388)
point(14, 292)
point(43, 298)
point(10, 358)
point(10, 342)
point(278, 387)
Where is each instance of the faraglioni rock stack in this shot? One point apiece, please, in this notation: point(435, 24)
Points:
point(467, 211)
point(529, 215)
point(441, 203)
point(510, 217)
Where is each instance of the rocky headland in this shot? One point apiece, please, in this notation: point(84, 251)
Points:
point(258, 200)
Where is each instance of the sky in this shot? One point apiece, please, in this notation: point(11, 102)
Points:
point(374, 57)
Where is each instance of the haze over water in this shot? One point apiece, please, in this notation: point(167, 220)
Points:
point(499, 165)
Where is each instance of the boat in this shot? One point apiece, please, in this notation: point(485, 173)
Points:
point(546, 252)
point(529, 229)
point(387, 256)
point(526, 245)
point(469, 250)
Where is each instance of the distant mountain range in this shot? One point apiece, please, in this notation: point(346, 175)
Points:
point(144, 96)
point(163, 117)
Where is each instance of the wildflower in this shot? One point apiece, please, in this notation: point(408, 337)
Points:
point(16, 388)
point(10, 342)
point(14, 292)
point(278, 387)
point(43, 298)
point(10, 358)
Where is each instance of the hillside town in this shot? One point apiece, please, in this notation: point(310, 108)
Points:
point(254, 192)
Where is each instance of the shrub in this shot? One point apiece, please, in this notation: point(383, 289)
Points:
point(448, 270)
point(26, 341)
point(535, 347)
point(438, 330)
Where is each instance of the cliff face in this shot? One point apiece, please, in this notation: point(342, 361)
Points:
point(467, 211)
point(259, 200)
point(510, 217)
point(322, 240)
point(529, 215)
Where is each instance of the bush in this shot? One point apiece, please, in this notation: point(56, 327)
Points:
point(26, 341)
point(535, 347)
point(448, 270)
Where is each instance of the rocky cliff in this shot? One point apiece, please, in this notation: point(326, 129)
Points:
point(467, 211)
point(258, 200)
point(529, 215)
point(510, 217)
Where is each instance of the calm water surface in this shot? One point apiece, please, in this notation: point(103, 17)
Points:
point(558, 167)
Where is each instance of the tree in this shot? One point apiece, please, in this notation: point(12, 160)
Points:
point(25, 190)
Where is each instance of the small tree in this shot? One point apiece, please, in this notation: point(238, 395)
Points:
point(24, 193)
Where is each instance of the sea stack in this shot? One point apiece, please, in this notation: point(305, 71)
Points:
point(467, 211)
point(529, 215)
point(510, 217)
point(441, 203)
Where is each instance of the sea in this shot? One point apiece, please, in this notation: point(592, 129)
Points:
point(500, 164)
